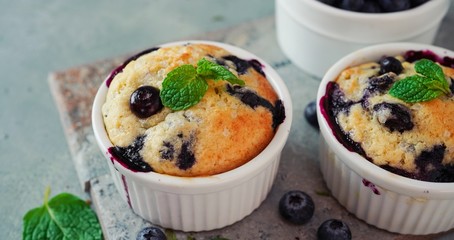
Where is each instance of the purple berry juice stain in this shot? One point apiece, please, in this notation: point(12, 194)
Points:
point(125, 186)
point(111, 157)
point(372, 186)
point(329, 109)
point(129, 157)
point(412, 56)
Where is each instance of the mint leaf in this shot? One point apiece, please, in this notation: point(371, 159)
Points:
point(211, 70)
point(65, 216)
point(182, 88)
point(432, 70)
point(429, 84)
point(186, 85)
point(416, 89)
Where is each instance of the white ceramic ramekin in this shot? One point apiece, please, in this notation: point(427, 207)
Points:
point(199, 203)
point(314, 35)
point(381, 198)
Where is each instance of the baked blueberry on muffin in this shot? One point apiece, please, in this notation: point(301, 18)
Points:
point(220, 126)
point(398, 113)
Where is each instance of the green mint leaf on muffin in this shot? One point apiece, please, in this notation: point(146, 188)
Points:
point(428, 84)
point(182, 88)
point(65, 216)
point(186, 85)
point(211, 70)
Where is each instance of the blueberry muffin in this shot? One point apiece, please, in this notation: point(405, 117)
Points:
point(228, 127)
point(415, 140)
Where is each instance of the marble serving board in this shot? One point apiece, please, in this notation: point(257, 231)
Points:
point(74, 90)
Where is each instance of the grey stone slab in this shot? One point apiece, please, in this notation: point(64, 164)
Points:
point(118, 221)
point(74, 90)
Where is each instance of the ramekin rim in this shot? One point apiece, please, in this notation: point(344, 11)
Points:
point(214, 182)
point(355, 161)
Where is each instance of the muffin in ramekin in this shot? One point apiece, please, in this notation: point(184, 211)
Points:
point(376, 154)
point(200, 167)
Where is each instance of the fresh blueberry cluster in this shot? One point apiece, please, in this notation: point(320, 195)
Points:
point(374, 6)
point(298, 208)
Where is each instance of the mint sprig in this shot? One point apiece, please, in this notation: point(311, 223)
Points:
point(428, 84)
point(211, 70)
point(65, 216)
point(186, 85)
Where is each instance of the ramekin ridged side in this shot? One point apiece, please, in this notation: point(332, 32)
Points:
point(375, 195)
point(382, 207)
point(199, 203)
point(198, 211)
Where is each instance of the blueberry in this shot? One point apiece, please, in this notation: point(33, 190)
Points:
point(390, 64)
point(412, 56)
point(351, 5)
point(415, 3)
point(278, 113)
point(240, 64)
point(253, 100)
point(452, 85)
point(310, 113)
point(130, 155)
point(371, 6)
point(145, 101)
point(444, 174)
point(429, 163)
point(333, 229)
point(151, 233)
point(296, 207)
point(381, 84)
point(257, 66)
point(186, 158)
point(377, 84)
point(394, 116)
point(447, 61)
point(248, 97)
point(394, 5)
point(167, 150)
point(338, 101)
point(243, 65)
point(329, 2)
